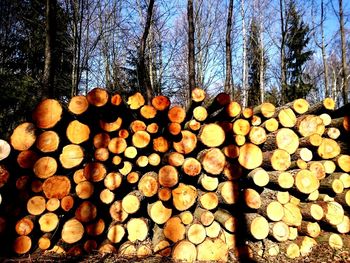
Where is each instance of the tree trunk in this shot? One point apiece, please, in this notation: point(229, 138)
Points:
point(282, 52)
point(228, 81)
point(244, 58)
point(324, 58)
point(50, 36)
point(191, 60)
point(343, 53)
point(143, 76)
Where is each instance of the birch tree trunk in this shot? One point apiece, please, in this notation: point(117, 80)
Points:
point(282, 52)
point(228, 81)
point(262, 64)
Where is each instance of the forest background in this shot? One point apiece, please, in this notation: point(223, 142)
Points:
point(256, 50)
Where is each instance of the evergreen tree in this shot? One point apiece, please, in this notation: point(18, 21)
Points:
point(254, 57)
point(297, 55)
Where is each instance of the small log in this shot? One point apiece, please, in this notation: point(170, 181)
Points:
point(168, 176)
point(257, 226)
point(160, 144)
point(117, 212)
point(47, 113)
point(259, 176)
point(210, 200)
point(195, 233)
point(333, 133)
point(48, 222)
point(23, 136)
point(53, 204)
point(77, 132)
point(131, 202)
point(225, 218)
point(86, 212)
point(227, 192)
point(176, 114)
point(164, 194)
point(311, 229)
point(26, 159)
point(96, 228)
point(148, 112)
point(251, 198)
point(211, 135)
point(101, 154)
point(117, 145)
point(343, 198)
point(160, 102)
point(152, 128)
point(306, 181)
point(184, 250)
point(343, 162)
point(25, 225)
point(95, 172)
point(250, 156)
point(184, 196)
point(158, 212)
point(22, 245)
point(111, 126)
point(191, 166)
point(306, 244)
point(287, 118)
point(187, 144)
point(78, 104)
point(241, 127)
point(84, 189)
point(141, 139)
point(36, 205)
point(279, 231)
point(56, 186)
point(212, 160)
point(137, 125)
point(174, 230)
point(233, 109)
point(307, 125)
point(115, 233)
point(257, 135)
point(72, 155)
point(278, 160)
point(148, 184)
point(266, 109)
point(333, 212)
point(328, 104)
point(204, 216)
point(186, 217)
point(107, 196)
point(328, 149)
point(311, 211)
point(154, 159)
point(270, 125)
point(292, 215)
point(209, 183)
point(200, 113)
point(67, 203)
point(72, 231)
point(101, 140)
point(97, 97)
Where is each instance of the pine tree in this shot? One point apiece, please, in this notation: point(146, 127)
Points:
point(297, 55)
point(254, 57)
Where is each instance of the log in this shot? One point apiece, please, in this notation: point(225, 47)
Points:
point(22, 245)
point(241, 127)
point(226, 220)
point(107, 196)
point(259, 176)
point(72, 231)
point(270, 125)
point(72, 156)
point(328, 149)
point(176, 114)
point(191, 166)
point(86, 212)
point(209, 183)
point(212, 160)
point(148, 184)
point(266, 109)
point(97, 97)
point(77, 132)
point(131, 202)
point(210, 200)
point(187, 144)
point(311, 229)
point(250, 156)
point(160, 144)
point(158, 212)
point(168, 176)
point(287, 118)
point(36, 205)
point(53, 204)
point(23, 136)
point(257, 135)
point(257, 226)
point(195, 233)
point(117, 212)
point(186, 217)
point(25, 225)
point(160, 102)
point(227, 192)
point(48, 222)
point(111, 126)
point(78, 105)
point(211, 135)
point(252, 198)
point(116, 233)
point(278, 160)
point(67, 203)
point(213, 250)
point(292, 215)
point(184, 196)
point(309, 124)
point(95, 171)
point(174, 230)
point(205, 217)
point(47, 114)
point(4, 175)
point(96, 228)
point(184, 250)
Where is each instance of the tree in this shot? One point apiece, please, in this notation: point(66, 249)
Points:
point(256, 68)
point(343, 53)
point(228, 80)
point(244, 57)
point(283, 19)
point(191, 59)
point(143, 75)
point(50, 39)
point(296, 56)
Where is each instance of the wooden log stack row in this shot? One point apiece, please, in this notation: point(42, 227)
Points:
point(121, 176)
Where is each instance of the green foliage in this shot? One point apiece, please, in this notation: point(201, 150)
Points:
point(22, 45)
point(297, 55)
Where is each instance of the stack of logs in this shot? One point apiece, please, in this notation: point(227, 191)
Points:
point(122, 176)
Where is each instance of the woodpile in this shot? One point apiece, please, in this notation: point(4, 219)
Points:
point(115, 175)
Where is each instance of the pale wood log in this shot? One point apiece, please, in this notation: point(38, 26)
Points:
point(158, 212)
point(72, 231)
point(212, 160)
point(168, 176)
point(48, 222)
point(136, 101)
point(187, 143)
point(259, 176)
point(174, 229)
point(250, 156)
point(117, 212)
point(97, 97)
point(257, 225)
point(78, 104)
point(213, 250)
point(184, 250)
point(211, 135)
point(116, 233)
point(279, 231)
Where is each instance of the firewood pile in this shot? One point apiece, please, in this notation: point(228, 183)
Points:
point(116, 175)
